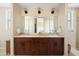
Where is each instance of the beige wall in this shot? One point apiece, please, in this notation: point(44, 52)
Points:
point(61, 17)
point(77, 28)
point(19, 15)
point(16, 18)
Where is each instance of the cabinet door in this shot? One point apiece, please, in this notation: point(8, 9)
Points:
point(22, 46)
point(43, 46)
point(39, 46)
point(28, 46)
point(35, 46)
point(19, 48)
point(56, 46)
point(51, 47)
point(59, 46)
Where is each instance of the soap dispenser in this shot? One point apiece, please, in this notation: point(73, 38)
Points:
point(18, 30)
point(59, 29)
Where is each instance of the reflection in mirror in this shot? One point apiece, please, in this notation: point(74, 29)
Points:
point(29, 24)
point(40, 24)
point(49, 25)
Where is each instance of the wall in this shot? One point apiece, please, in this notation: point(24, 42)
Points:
point(16, 18)
point(61, 17)
point(77, 28)
point(19, 15)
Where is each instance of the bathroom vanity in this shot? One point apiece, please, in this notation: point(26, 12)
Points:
point(38, 45)
point(38, 31)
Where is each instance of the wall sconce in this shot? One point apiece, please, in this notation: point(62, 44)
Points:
point(39, 12)
point(52, 12)
point(26, 11)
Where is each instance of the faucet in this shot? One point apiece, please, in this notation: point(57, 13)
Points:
point(55, 31)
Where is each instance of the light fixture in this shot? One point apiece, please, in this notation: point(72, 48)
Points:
point(52, 12)
point(25, 11)
point(39, 12)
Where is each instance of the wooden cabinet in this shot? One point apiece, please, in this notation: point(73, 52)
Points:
point(38, 46)
point(56, 46)
point(43, 46)
point(22, 46)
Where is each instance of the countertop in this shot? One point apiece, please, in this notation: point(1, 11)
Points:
point(38, 35)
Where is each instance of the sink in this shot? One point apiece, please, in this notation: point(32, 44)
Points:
point(41, 34)
point(51, 34)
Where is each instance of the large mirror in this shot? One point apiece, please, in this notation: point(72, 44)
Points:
point(40, 24)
